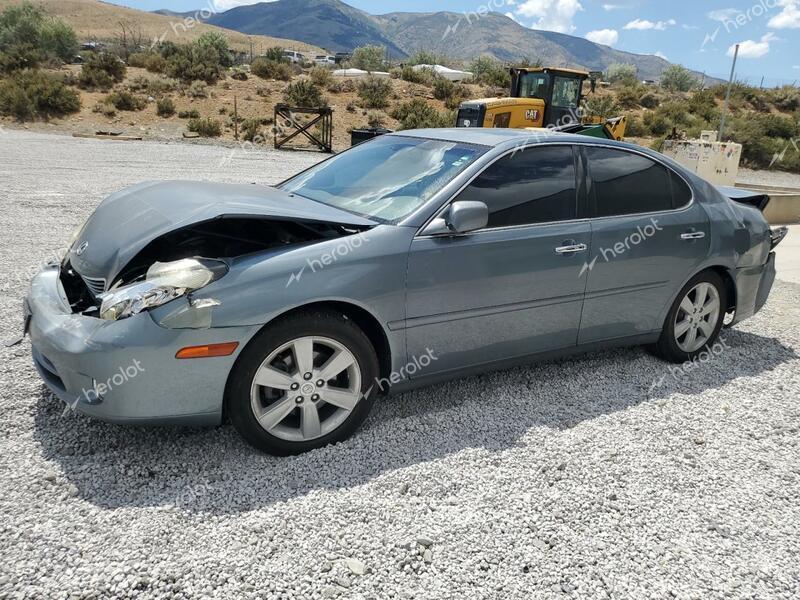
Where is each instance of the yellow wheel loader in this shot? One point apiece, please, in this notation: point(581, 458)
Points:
point(541, 97)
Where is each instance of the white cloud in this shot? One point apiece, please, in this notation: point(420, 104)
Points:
point(723, 14)
point(789, 17)
point(609, 7)
point(752, 49)
point(643, 25)
point(607, 37)
point(660, 54)
point(552, 15)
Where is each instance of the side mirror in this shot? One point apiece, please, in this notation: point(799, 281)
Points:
point(461, 217)
point(466, 216)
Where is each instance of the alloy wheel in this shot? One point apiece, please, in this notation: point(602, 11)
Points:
point(306, 388)
point(697, 317)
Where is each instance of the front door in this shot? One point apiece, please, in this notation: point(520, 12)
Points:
point(511, 289)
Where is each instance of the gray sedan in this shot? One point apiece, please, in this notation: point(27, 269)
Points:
point(410, 259)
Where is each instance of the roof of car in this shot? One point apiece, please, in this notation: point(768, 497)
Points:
point(497, 136)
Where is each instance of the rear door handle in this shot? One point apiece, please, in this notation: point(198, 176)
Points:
point(571, 249)
point(693, 235)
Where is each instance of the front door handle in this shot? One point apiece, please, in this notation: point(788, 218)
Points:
point(693, 235)
point(571, 249)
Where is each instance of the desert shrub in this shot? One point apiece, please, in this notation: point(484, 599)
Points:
point(165, 107)
point(205, 59)
point(271, 69)
point(124, 100)
point(197, 89)
point(656, 123)
point(703, 104)
point(418, 114)
point(321, 76)
point(369, 58)
point(101, 71)
point(622, 74)
point(138, 60)
point(374, 92)
point(421, 76)
point(105, 109)
point(156, 86)
point(676, 114)
point(649, 100)
point(31, 94)
point(255, 130)
point(340, 86)
point(155, 63)
point(630, 96)
point(376, 120)
point(443, 88)
point(275, 53)
point(189, 114)
point(423, 57)
point(777, 126)
point(304, 93)
point(635, 128)
point(677, 78)
point(786, 98)
point(207, 127)
point(601, 106)
point(28, 36)
point(489, 71)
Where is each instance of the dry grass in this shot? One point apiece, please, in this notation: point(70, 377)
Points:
point(94, 20)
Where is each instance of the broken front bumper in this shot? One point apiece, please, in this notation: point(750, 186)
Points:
point(125, 371)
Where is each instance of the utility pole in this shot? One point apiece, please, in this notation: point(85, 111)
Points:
point(728, 96)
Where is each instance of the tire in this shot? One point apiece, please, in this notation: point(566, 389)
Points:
point(673, 345)
point(275, 412)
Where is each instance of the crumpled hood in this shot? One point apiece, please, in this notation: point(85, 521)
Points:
point(128, 220)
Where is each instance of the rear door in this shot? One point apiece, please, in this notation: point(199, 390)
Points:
point(648, 237)
point(511, 289)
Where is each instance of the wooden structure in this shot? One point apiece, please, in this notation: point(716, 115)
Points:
point(318, 130)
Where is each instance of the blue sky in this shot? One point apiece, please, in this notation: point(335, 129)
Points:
point(697, 33)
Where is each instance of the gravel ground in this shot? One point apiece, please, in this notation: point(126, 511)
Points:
point(603, 476)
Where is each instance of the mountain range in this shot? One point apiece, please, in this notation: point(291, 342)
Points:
point(338, 27)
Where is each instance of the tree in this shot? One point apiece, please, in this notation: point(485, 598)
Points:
point(219, 44)
point(129, 38)
point(677, 78)
point(28, 36)
point(369, 58)
point(622, 73)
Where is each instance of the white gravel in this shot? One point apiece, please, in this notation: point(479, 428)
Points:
point(596, 477)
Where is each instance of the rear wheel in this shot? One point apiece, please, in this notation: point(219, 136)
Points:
point(695, 318)
point(302, 383)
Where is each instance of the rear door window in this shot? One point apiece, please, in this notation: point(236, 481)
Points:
point(626, 183)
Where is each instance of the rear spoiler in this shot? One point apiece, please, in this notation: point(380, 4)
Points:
point(758, 200)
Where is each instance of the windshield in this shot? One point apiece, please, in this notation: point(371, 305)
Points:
point(534, 85)
point(387, 178)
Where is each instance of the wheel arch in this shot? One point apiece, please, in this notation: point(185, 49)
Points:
point(368, 323)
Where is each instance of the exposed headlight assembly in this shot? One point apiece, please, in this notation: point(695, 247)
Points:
point(163, 283)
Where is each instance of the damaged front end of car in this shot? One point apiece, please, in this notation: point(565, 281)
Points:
point(155, 244)
point(183, 261)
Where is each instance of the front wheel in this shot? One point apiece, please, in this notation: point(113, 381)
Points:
point(302, 383)
point(695, 318)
